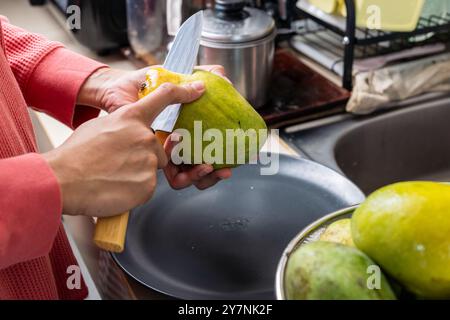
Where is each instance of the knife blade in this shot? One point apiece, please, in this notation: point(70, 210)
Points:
point(181, 58)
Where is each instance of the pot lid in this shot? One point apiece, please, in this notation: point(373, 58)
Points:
point(231, 22)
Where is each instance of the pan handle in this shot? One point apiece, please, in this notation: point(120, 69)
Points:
point(110, 232)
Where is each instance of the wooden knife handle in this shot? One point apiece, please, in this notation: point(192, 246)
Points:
point(110, 232)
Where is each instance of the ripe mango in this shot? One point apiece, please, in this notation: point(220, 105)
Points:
point(221, 107)
point(331, 271)
point(339, 232)
point(405, 227)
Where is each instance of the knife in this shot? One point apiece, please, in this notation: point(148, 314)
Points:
point(110, 232)
point(181, 58)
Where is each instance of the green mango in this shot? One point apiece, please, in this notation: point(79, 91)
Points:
point(405, 227)
point(339, 232)
point(331, 271)
point(237, 127)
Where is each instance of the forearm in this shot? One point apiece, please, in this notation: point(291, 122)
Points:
point(54, 86)
point(49, 75)
point(30, 208)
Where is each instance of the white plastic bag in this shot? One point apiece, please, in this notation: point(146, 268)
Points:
point(374, 89)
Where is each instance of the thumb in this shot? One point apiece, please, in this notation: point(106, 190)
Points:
point(149, 107)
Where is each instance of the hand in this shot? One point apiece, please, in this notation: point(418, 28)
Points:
point(109, 89)
point(202, 176)
point(108, 165)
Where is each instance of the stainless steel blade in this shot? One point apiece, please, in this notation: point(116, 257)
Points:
point(181, 58)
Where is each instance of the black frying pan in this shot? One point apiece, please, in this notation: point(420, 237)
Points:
point(225, 242)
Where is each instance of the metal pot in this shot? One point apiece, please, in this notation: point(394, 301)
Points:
point(242, 40)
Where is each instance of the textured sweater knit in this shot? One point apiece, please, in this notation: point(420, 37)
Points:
point(34, 250)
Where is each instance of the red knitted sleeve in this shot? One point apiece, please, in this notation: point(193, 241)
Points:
point(49, 75)
point(31, 187)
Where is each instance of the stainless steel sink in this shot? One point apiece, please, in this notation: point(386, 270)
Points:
point(411, 143)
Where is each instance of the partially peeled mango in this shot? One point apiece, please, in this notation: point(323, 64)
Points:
point(238, 132)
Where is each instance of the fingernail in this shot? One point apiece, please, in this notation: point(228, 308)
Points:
point(205, 171)
point(198, 85)
point(227, 176)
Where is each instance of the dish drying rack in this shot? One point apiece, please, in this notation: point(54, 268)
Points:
point(364, 43)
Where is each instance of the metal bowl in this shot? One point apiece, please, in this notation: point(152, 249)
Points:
point(310, 234)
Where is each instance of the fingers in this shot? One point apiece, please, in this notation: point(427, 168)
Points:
point(185, 175)
point(196, 173)
point(149, 107)
point(211, 179)
point(202, 176)
point(223, 174)
point(182, 177)
point(217, 69)
point(206, 183)
point(175, 178)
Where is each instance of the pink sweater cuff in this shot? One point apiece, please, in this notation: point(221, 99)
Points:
point(54, 85)
point(30, 208)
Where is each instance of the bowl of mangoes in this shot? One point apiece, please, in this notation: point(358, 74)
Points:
point(395, 245)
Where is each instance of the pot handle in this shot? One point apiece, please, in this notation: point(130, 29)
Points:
point(110, 232)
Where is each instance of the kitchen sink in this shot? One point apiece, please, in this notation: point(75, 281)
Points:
point(410, 143)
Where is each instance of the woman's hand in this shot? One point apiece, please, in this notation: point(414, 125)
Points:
point(110, 89)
